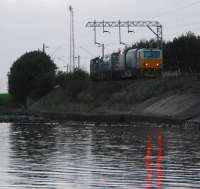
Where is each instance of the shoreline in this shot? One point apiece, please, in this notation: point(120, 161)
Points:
point(97, 119)
point(173, 101)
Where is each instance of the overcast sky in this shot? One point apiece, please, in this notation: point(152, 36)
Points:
point(26, 24)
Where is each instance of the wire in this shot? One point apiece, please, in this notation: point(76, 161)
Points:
point(58, 48)
point(181, 24)
point(177, 9)
point(87, 51)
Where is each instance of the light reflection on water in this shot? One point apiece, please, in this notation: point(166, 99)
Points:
point(83, 157)
point(149, 161)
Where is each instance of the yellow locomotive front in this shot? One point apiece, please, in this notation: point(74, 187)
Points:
point(151, 62)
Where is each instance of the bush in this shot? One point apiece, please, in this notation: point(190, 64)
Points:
point(73, 82)
point(33, 74)
point(5, 99)
point(61, 79)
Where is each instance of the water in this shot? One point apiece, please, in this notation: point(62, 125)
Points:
point(86, 157)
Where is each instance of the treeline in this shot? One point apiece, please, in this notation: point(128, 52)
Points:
point(35, 74)
point(181, 54)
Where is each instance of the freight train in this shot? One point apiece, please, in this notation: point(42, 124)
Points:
point(130, 63)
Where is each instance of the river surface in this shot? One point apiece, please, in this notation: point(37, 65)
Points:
point(91, 157)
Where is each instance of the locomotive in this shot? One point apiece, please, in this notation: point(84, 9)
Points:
point(129, 63)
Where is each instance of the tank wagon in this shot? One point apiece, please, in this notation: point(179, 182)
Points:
point(130, 63)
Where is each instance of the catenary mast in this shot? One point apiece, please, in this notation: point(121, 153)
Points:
point(72, 41)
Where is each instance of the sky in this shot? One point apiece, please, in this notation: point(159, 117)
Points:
point(26, 24)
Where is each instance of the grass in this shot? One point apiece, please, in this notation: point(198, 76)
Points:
point(5, 99)
point(114, 95)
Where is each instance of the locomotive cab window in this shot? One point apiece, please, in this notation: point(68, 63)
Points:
point(152, 54)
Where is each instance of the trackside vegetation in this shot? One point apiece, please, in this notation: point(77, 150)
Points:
point(73, 82)
point(5, 99)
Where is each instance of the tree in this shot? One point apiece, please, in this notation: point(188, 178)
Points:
point(180, 54)
point(183, 54)
point(33, 74)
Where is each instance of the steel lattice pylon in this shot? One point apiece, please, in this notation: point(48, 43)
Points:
point(153, 26)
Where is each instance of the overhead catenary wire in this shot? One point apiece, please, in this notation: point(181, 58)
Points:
point(87, 51)
point(177, 9)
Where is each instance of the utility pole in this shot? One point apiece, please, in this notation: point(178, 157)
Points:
point(79, 61)
point(72, 40)
point(44, 47)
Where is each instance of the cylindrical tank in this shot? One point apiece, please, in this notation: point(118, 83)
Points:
point(131, 59)
point(122, 59)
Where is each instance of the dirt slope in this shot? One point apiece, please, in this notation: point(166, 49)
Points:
point(176, 97)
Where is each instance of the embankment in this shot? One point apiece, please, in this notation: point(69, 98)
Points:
point(175, 99)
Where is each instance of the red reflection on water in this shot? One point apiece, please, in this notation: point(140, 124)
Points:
point(149, 160)
point(160, 159)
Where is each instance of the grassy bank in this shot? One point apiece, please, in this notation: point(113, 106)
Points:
point(5, 99)
point(7, 105)
point(171, 97)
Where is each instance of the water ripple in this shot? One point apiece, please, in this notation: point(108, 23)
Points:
point(89, 157)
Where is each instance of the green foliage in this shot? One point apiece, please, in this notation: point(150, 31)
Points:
point(79, 74)
point(5, 99)
point(145, 44)
point(64, 78)
point(61, 78)
point(73, 82)
point(33, 75)
point(182, 54)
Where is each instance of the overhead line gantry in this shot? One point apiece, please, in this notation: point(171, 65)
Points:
point(154, 26)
